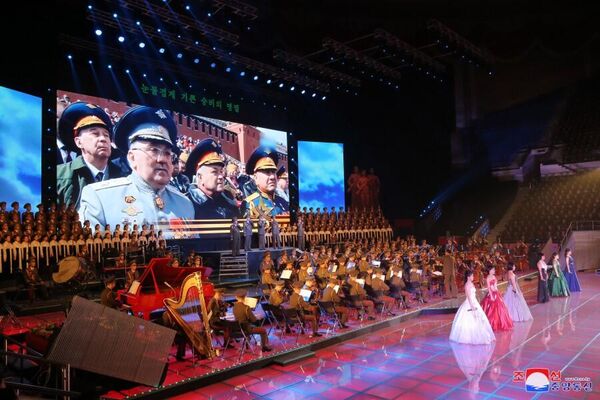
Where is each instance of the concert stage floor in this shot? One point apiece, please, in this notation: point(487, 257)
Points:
point(413, 359)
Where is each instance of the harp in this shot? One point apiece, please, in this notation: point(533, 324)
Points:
point(190, 313)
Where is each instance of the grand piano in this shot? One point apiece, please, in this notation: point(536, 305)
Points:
point(152, 290)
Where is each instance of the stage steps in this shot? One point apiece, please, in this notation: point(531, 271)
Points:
point(233, 267)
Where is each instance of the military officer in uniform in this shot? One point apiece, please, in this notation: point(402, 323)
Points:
point(86, 129)
point(179, 180)
point(262, 226)
point(206, 163)
point(300, 227)
point(264, 201)
point(283, 184)
point(148, 136)
point(276, 234)
point(248, 233)
point(235, 237)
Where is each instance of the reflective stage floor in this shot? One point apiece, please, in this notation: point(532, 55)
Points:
point(414, 360)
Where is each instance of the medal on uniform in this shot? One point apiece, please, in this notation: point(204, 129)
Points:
point(129, 199)
point(160, 203)
point(131, 211)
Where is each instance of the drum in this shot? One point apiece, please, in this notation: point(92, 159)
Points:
point(68, 269)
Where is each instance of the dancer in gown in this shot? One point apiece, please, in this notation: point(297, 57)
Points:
point(570, 272)
point(513, 298)
point(494, 307)
point(471, 326)
point(543, 291)
point(556, 281)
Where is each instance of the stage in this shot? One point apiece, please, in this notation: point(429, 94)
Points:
point(414, 359)
point(406, 356)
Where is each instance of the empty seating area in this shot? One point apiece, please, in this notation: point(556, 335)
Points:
point(578, 125)
point(552, 204)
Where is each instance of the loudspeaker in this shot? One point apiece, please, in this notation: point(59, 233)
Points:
point(105, 341)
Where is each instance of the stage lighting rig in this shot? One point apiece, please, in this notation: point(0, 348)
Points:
point(325, 72)
point(349, 53)
point(238, 8)
point(451, 40)
point(416, 56)
point(166, 15)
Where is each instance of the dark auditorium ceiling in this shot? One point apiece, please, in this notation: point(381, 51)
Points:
point(506, 28)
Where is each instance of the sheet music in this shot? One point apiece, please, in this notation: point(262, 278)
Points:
point(336, 288)
point(251, 302)
point(399, 274)
point(305, 293)
point(361, 282)
point(135, 285)
point(286, 274)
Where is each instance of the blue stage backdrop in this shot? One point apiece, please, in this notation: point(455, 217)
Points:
point(321, 174)
point(21, 150)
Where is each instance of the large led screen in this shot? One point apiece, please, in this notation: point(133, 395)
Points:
point(219, 169)
point(21, 152)
point(321, 175)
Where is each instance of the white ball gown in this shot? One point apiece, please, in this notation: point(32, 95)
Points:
point(471, 327)
point(516, 304)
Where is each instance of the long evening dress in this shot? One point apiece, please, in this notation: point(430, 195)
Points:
point(556, 282)
point(515, 303)
point(543, 291)
point(471, 325)
point(571, 277)
point(495, 309)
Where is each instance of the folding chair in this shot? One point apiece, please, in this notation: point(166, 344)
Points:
point(294, 318)
point(328, 311)
point(236, 332)
point(355, 303)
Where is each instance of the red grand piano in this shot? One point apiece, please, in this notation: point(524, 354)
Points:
point(152, 290)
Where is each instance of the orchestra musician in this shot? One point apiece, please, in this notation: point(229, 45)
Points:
point(245, 317)
point(131, 275)
point(217, 308)
point(33, 280)
point(330, 295)
point(305, 310)
point(108, 298)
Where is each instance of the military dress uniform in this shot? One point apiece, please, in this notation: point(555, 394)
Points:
point(261, 203)
point(131, 200)
point(73, 176)
point(218, 206)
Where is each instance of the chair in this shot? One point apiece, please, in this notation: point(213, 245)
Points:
point(236, 332)
point(355, 303)
point(294, 317)
point(328, 311)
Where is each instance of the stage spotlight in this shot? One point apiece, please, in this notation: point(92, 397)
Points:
point(109, 66)
point(161, 50)
point(138, 23)
point(98, 32)
point(142, 45)
point(303, 91)
point(242, 73)
point(158, 30)
point(196, 60)
point(121, 39)
point(187, 7)
point(70, 57)
point(280, 85)
point(209, 15)
point(197, 43)
point(177, 83)
point(268, 81)
point(255, 77)
point(179, 55)
point(90, 62)
point(126, 71)
point(228, 69)
point(314, 95)
point(292, 88)
point(161, 79)
point(115, 15)
point(89, 7)
point(323, 98)
point(144, 75)
point(213, 65)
